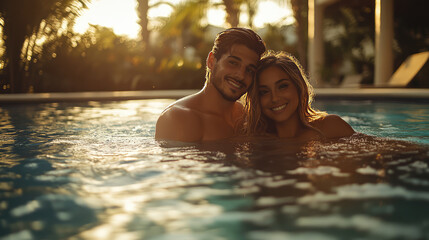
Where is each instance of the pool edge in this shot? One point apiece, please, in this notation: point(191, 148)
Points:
point(94, 96)
point(320, 93)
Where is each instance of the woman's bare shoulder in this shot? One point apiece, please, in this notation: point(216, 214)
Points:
point(333, 126)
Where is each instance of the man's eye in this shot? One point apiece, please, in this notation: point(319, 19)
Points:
point(234, 63)
point(250, 71)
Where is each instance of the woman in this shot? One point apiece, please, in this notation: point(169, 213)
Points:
point(279, 103)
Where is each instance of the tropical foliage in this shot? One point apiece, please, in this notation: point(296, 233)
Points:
point(39, 52)
point(24, 22)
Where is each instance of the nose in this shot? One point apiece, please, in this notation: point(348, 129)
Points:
point(274, 96)
point(241, 73)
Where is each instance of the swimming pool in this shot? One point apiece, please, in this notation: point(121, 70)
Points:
point(92, 170)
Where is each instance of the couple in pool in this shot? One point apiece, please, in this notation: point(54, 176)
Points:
point(277, 103)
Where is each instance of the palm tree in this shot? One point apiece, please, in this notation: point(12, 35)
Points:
point(251, 10)
point(21, 20)
point(184, 24)
point(232, 9)
point(142, 11)
point(300, 12)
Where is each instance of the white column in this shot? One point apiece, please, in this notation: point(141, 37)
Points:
point(383, 41)
point(315, 41)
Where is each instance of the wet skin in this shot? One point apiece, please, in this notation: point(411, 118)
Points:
point(232, 74)
point(212, 113)
point(279, 100)
point(278, 95)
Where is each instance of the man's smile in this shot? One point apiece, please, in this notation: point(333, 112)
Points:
point(235, 83)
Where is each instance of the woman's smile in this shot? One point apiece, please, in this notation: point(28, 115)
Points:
point(278, 95)
point(279, 108)
point(281, 101)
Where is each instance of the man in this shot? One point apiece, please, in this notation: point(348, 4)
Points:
point(214, 113)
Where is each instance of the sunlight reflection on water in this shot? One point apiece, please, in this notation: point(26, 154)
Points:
point(93, 171)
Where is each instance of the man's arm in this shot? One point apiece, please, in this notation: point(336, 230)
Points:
point(179, 124)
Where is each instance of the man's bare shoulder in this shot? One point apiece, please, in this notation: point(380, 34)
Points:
point(333, 126)
point(179, 122)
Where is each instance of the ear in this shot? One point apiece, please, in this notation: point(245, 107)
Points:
point(211, 60)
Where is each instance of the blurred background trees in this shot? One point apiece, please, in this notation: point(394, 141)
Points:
point(40, 52)
point(24, 22)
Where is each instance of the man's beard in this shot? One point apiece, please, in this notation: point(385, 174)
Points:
point(215, 81)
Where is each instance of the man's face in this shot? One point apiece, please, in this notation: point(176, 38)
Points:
point(232, 74)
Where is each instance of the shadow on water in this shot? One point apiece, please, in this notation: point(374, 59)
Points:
point(33, 200)
point(360, 186)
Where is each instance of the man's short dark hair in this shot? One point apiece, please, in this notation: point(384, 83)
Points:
point(227, 38)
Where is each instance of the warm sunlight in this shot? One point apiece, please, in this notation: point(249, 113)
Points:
point(122, 17)
point(272, 12)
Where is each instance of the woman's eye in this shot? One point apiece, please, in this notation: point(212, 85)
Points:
point(262, 92)
point(284, 85)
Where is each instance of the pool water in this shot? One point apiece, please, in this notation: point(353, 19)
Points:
point(407, 121)
point(93, 171)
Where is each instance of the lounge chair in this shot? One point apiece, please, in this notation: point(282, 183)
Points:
point(408, 70)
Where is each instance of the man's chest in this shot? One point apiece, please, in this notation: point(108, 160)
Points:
point(216, 128)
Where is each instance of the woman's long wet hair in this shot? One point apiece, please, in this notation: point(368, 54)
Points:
point(256, 122)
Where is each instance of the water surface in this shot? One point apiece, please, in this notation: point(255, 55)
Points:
point(93, 171)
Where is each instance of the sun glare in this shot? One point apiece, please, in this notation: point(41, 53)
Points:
point(122, 17)
point(271, 12)
point(216, 16)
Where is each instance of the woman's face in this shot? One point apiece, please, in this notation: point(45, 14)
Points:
point(278, 95)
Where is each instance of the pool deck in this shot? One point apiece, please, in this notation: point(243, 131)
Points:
point(381, 94)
